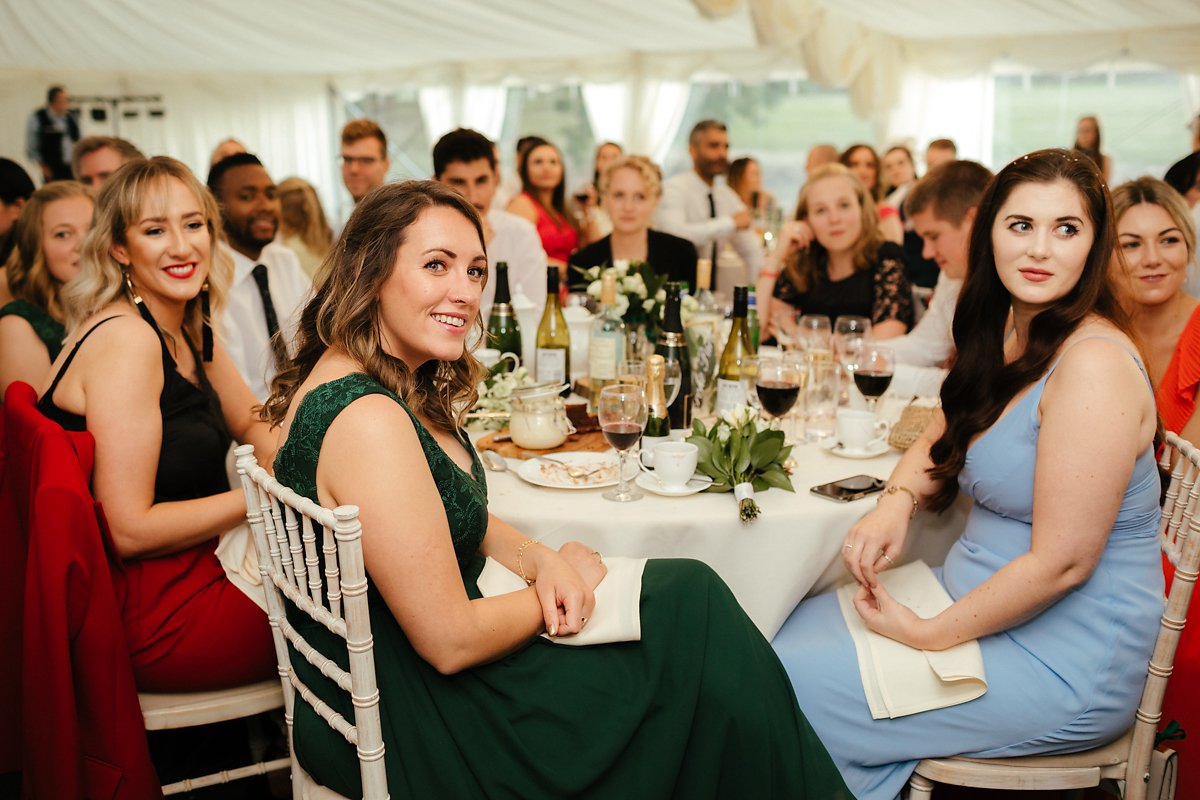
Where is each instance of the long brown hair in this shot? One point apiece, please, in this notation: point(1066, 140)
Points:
point(980, 384)
point(29, 278)
point(301, 215)
point(558, 195)
point(344, 310)
point(807, 268)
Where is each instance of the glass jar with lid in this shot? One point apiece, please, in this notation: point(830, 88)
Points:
point(539, 417)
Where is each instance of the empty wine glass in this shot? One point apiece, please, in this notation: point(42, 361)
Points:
point(777, 385)
point(873, 373)
point(849, 335)
point(621, 412)
point(749, 379)
point(634, 371)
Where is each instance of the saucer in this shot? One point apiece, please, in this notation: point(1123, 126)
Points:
point(696, 485)
point(877, 449)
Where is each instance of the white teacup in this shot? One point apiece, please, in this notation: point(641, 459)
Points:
point(647, 445)
point(675, 463)
point(488, 356)
point(859, 431)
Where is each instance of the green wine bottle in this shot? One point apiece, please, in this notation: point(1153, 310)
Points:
point(552, 359)
point(672, 346)
point(729, 375)
point(658, 425)
point(504, 331)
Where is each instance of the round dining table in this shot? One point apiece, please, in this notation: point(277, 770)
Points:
point(792, 550)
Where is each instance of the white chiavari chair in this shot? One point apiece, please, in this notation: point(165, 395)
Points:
point(1132, 760)
point(288, 528)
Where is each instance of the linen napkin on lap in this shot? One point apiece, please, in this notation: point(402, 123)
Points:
point(617, 616)
point(901, 680)
point(239, 558)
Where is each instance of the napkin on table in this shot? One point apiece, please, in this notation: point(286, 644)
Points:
point(617, 615)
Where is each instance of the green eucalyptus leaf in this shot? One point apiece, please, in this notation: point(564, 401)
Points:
point(778, 479)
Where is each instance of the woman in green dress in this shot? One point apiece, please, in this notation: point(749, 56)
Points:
point(474, 704)
point(48, 236)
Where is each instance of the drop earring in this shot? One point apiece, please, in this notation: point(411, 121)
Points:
point(206, 334)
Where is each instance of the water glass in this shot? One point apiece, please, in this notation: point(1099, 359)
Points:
point(820, 398)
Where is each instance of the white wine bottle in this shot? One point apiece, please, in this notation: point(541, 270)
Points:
point(607, 339)
point(730, 393)
point(552, 359)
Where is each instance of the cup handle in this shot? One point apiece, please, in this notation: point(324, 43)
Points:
point(513, 357)
point(641, 463)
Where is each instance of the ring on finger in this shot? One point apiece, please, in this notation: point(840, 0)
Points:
point(596, 553)
point(886, 556)
point(847, 547)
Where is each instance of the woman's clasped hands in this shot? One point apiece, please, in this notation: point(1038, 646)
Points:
point(565, 582)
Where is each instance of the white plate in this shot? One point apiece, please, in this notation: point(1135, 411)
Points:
point(694, 486)
point(552, 476)
point(871, 452)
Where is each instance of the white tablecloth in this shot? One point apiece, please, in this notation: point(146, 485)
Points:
point(792, 550)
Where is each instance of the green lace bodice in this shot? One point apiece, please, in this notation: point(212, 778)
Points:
point(464, 495)
point(48, 329)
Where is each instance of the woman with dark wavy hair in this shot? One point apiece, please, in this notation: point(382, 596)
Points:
point(473, 702)
point(1048, 419)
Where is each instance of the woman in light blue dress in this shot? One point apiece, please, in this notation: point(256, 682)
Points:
point(1048, 427)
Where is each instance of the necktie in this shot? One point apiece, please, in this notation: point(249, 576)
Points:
point(264, 291)
point(712, 212)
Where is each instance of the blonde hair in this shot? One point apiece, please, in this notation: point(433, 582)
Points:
point(344, 310)
point(301, 215)
point(1156, 193)
point(121, 203)
point(650, 173)
point(805, 267)
point(29, 278)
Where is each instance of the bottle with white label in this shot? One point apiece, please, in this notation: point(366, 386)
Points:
point(552, 359)
point(730, 391)
point(607, 339)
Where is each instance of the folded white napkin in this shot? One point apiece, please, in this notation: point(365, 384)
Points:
point(901, 680)
point(617, 616)
point(239, 558)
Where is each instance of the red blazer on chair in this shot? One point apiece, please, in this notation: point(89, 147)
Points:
point(81, 725)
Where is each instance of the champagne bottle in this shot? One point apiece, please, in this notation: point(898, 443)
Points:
point(752, 323)
point(730, 392)
point(607, 339)
point(672, 346)
point(504, 331)
point(658, 426)
point(552, 359)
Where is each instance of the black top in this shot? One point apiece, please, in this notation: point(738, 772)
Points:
point(879, 293)
point(191, 461)
point(670, 255)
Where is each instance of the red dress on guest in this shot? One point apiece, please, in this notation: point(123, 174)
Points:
point(1176, 400)
point(559, 239)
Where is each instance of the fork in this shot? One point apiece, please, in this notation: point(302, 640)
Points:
point(573, 470)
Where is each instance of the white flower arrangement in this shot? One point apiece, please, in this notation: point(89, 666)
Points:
point(495, 397)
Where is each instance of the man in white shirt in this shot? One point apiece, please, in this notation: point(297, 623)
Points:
point(269, 287)
point(707, 213)
point(465, 160)
point(942, 208)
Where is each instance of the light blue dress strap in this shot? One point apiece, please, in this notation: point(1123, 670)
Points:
point(1137, 359)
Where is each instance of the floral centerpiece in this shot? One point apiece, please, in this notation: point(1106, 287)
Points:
point(640, 294)
point(495, 396)
point(742, 454)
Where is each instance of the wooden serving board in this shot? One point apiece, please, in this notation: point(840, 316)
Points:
point(592, 442)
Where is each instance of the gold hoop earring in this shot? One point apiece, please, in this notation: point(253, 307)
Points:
point(134, 297)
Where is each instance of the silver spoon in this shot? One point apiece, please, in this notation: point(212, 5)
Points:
point(573, 470)
point(493, 461)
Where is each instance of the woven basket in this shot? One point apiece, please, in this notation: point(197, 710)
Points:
point(911, 424)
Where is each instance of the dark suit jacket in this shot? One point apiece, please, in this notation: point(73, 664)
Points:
point(668, 254)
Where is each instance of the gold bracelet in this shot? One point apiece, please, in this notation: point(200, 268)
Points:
point(521, 569)
point(893, 488)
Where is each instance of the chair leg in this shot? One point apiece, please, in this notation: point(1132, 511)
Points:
point(919, 787)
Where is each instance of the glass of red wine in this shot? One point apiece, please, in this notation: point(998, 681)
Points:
point(622, 411)
point(777, 385)
point(873, 373)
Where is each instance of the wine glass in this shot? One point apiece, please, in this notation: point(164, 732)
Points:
point(849, 335)
point(816, 332)
point(873, 374)
point(622, 415)
point(748, 377)
point(777, 385)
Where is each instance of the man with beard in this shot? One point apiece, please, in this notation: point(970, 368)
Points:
point(707, 213)
point(269, 287)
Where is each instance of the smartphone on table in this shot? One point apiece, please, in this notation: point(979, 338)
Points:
point(852, 488)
